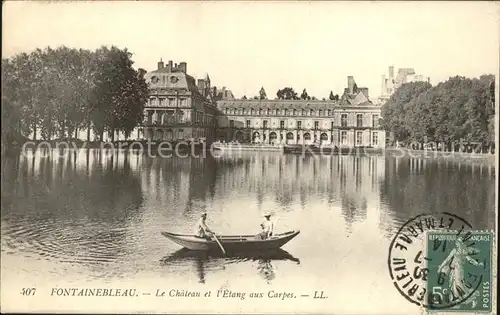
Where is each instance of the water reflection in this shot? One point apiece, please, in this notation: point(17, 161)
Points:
point(73, 208)
point(102, 212)
point(413, 186)
point(206, 261)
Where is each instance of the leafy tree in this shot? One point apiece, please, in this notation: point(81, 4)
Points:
point(119, 94)
point(244, 97)
point(304, 95)
point(395, 110)
point(262, 94)
point(331, 97)
point(287, 93)
point(57, 91)
point(459, 109)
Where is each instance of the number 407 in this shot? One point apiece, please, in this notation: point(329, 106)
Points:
point(28, 291)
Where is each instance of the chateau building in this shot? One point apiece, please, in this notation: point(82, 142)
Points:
point(178, 108)
point(351, 121)
point(392, 82)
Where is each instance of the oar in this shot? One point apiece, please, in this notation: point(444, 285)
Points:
point(220, 245)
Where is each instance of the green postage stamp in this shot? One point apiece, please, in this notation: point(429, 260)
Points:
point(460, 271)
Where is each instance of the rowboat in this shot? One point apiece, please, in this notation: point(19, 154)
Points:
point(231, 243)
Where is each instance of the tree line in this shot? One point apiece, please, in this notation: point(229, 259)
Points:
point(55, 92)
point(288, 93)
point(457, 110)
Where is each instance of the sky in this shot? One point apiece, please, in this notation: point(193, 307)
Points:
point(247, 45)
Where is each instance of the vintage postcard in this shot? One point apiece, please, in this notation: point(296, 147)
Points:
point(226, 157)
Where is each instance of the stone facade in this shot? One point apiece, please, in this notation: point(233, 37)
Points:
point(353, 121)
point(178, 108)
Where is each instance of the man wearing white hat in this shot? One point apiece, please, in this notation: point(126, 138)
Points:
point(202, 229)
point(267, 227)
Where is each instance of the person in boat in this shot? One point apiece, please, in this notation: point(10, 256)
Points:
point(267, 228)
point(202, 229)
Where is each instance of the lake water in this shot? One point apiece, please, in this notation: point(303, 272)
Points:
point(92, 217)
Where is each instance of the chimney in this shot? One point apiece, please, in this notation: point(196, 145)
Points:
point(170, 66)
point(391, 72)
point(364, 90)
point(201, 85)
point(160, 64)
point(183, 67)
point(350, 84)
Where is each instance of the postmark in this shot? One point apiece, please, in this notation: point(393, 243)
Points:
point(459, 271)
point(407, 260)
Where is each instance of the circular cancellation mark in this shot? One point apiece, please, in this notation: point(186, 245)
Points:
point(409, 266)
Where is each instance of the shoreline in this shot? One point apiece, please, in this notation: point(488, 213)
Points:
point(434, 154)
point(234, 148)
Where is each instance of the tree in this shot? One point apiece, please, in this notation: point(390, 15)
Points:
point(456, 110)
point(396, 109)
point(331, 97)
point(287, 93)
point(244, 97)
point(262, 94)
point(304, 95)
point(57, 91)
point(119, 94)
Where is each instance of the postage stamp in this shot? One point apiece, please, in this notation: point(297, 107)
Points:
point(406, 259)
point(459, 267)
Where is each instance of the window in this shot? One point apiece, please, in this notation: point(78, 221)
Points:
point(359, 120)
point(343, 136)
point(282, 124)
point(251, 111)
point(303, 112)
point(268, 111)
point(316, 125)
point(375, 121)
point(299, 125)
point(332, 125)
point(343, 120)
point(248, 123)
point(320, 113)
point(285, 112)
point(183, 102)
point(226, 111)
point(359, 137)
point(311, 112)
point(329, 112)
point(171, 102)
point(231, 124)
point(375, 138)
point(265, 124)
point(260, 112)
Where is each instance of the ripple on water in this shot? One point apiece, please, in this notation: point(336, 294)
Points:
point(64, 242)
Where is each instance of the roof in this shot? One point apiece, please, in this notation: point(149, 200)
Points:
point(170, 80)
point(358, 99)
